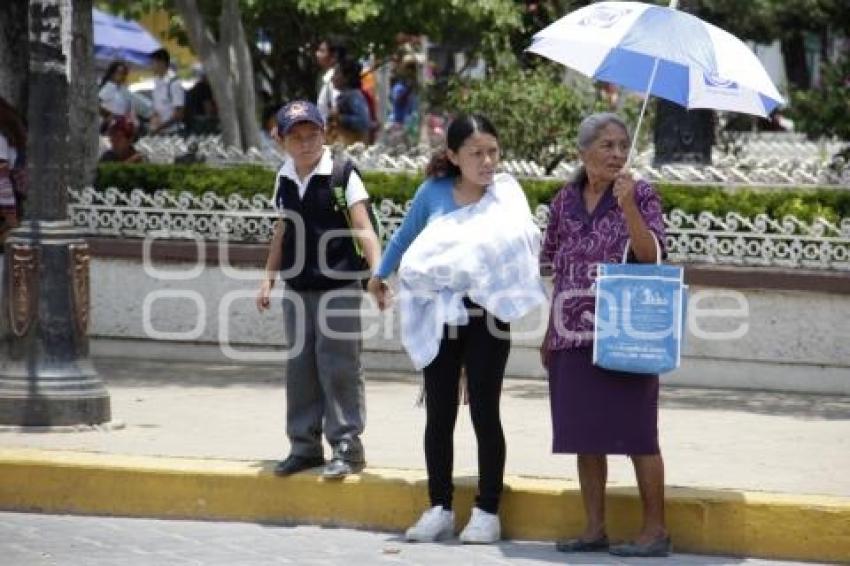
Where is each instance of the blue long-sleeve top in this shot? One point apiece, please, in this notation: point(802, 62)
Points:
point(353, 110)
point(433, 198)
point(404, 101)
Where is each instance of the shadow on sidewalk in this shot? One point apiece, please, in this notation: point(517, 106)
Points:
point(802, 405)
point(689, 518)
point(144, 373)
point(821, 407)
point(545, 552)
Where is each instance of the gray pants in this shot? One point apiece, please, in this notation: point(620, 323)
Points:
point(324, 377)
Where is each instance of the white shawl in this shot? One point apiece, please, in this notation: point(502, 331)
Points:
point(487, 251)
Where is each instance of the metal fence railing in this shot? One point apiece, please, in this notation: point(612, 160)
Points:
point(732, 239)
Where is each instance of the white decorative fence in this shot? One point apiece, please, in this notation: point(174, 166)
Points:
point(760, 241)
point(704, 238)
point(776, 159)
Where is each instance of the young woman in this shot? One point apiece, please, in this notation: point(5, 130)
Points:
point(114, 96)
point(349, 120)
point(466, 255)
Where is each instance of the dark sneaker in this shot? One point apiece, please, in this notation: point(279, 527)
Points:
point(294, 464)
point(346, 460)
point(339, 468)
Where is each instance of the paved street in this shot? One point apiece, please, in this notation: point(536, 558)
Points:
point(713, 439)
point(47, 540)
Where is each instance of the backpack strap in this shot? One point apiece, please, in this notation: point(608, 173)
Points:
point(168, 90)
point(340, 174)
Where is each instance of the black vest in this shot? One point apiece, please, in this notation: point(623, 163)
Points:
point(316, 209)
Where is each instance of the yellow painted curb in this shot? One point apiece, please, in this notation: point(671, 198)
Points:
point(702, 521)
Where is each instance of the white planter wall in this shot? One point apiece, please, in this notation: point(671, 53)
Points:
point(796, 340)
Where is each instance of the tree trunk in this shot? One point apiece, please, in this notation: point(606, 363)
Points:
point(242, 72)
point(14, 53)
point(82, 98)
point(217, 70)
point(225, 62)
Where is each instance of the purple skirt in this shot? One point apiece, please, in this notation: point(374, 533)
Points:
point(599, 411)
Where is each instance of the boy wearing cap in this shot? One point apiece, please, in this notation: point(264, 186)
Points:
point(312, 250)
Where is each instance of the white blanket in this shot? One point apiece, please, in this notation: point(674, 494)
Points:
point(487, 251)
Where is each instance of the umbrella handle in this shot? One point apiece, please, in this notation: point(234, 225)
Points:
point(633, 148)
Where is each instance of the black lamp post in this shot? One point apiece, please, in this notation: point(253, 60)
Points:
point(682, 135)
point(46, 376)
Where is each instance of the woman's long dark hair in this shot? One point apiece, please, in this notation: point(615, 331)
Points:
point(461, 129)
point(110, 70)
point(350, 70)
point(12, 126)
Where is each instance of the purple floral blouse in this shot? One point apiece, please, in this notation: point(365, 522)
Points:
point(575, 242)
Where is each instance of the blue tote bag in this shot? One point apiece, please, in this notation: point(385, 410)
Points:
point(640, 311)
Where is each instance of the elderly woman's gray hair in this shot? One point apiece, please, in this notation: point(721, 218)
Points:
point(589, 130)
point(590, 127)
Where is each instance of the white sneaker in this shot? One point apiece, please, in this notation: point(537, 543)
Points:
point(434, 524)
point(483, 528)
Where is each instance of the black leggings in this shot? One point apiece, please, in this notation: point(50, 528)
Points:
point(484, 356)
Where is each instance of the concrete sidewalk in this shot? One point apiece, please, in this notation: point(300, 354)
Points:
point(716, 443)
point(723, 439)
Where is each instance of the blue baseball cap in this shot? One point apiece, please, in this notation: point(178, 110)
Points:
point(296, 112)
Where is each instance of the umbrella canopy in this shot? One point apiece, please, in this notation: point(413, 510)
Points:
point(117, 38)
point(662, 51)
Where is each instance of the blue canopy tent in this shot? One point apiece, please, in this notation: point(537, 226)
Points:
point(117, 38)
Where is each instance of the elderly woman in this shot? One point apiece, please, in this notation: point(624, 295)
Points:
point(596, 412)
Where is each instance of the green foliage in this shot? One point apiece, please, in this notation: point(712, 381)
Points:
point(295, 27)
point(535, 114)
point(766, 20)
point(804, 203)
point(246, 180)
point(825, 111)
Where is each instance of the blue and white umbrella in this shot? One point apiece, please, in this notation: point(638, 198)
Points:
point(119, 39)
point(662, 51)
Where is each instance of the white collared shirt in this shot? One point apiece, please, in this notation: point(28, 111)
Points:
point(355, 191)
point(115, 98)
point(168, 94)
point(327, 95)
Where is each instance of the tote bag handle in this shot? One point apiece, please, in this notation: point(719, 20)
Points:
point(657, 250)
